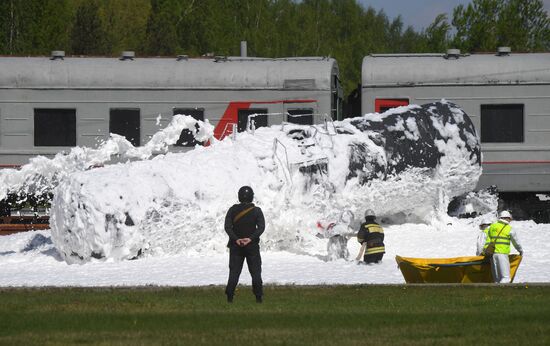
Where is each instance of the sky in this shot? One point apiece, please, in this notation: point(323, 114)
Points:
point(420, 13)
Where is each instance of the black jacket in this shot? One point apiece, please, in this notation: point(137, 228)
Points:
point(251, 225)
point(372, 236)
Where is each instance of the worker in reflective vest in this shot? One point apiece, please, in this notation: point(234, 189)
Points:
point(371, 238)
point(483, 239)
point(501, 234)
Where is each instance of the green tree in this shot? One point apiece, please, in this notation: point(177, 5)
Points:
point(162, 33)
point(282, 30)
point(35, 26)
point(125, 24)
point(394, 35)
point(53, 26)
point(485, 24)
point(10, 26)
point(347, 47)
point(524, 26)
point(437, 34)
point(476, 25)
point(413, 42)
point(87, 36)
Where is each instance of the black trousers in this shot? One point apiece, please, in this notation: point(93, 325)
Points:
point(254, 261)
point(374, 258)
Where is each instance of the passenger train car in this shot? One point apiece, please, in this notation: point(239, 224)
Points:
point(506, 95)
point(48, 104)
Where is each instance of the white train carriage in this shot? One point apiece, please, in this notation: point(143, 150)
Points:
point(48, 104)
point(507, 96)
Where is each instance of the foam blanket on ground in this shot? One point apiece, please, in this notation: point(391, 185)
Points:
point(471, 269)
point(405, 163)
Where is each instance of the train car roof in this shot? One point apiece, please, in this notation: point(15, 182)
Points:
point(166, 73)
point(442, 69)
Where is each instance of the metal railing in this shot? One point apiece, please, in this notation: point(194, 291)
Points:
point(226, 128)
point(285, 166)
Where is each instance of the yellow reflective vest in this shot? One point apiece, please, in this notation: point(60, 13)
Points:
point(500, 233)
point(487, 238)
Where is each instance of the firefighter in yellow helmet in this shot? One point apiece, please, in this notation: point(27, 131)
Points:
point(371, 238)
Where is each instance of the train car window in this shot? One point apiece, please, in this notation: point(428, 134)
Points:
point(502, 123)
point(260, 120)
point(303, 116)
point(125, 122)
point(186, 137)
point(54, 127)
point(382, 105)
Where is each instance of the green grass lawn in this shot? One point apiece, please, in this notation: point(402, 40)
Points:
point(290, 315)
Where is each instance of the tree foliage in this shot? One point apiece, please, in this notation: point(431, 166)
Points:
point(87, 35)
point(483, 25)
point(342, 29)
point(34, 26)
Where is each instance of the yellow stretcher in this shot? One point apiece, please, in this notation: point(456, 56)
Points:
point(471, 269)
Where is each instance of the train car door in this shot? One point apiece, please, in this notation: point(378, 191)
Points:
point(337, 99)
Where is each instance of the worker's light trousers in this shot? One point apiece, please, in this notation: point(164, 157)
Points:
point(500, 267)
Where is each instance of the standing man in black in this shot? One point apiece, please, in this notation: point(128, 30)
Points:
point(244, 223)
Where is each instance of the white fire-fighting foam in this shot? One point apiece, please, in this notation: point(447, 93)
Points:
point(176, 203)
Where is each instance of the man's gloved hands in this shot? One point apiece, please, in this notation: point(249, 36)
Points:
point(243, 242)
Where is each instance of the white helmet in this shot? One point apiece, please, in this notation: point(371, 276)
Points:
point(484, 222)
point(369, 212)
point(505, 214)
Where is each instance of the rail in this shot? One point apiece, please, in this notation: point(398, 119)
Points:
point(326, 121)
point(318, 129)
point(286, 167)
point(16, 224)
point(226, 129)
point(287, 123)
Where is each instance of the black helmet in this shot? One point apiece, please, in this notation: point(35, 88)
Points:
point(246, 195)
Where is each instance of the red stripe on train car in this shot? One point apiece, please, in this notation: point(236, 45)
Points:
point(229, 117)
point(284, 101)
point(514, 162)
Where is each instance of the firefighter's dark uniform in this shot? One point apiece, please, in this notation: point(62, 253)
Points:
point(372, 234)
point(250, 224)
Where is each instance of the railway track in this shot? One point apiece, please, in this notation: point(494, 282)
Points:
point(16, 224)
